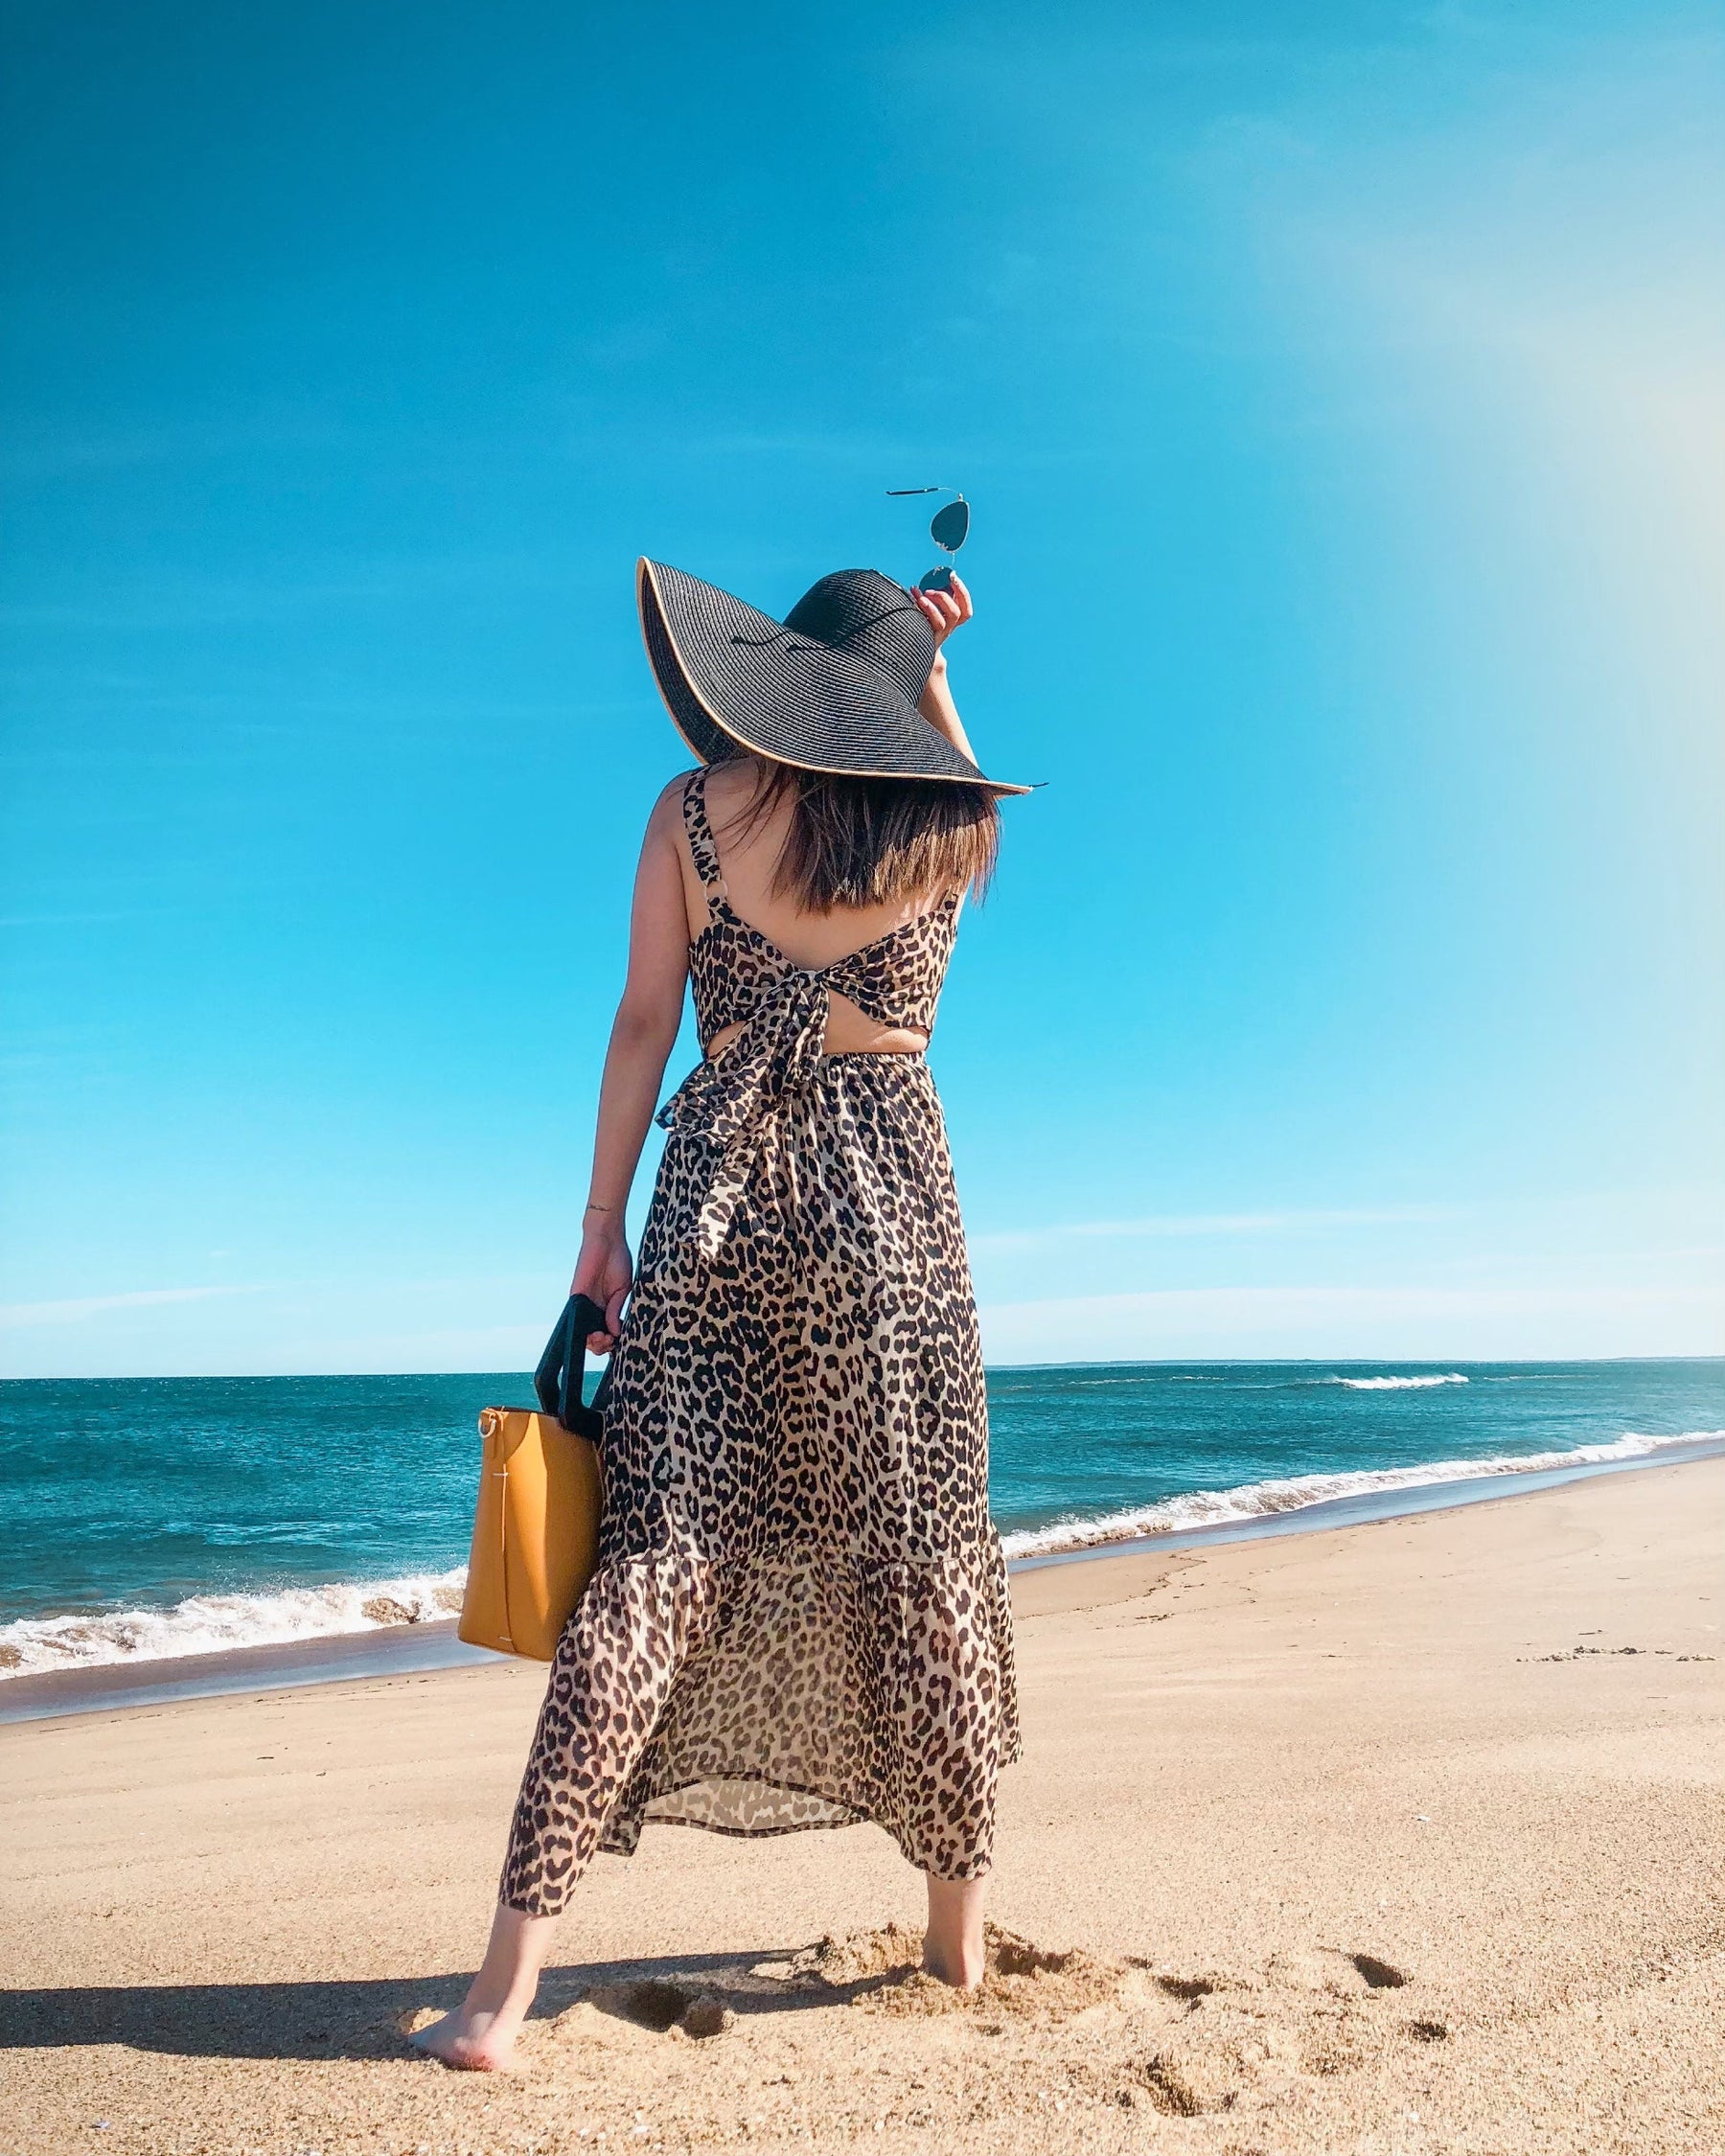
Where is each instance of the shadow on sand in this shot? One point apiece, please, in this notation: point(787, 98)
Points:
point(363, 2019)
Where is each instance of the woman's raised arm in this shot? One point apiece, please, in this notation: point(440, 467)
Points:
point(641, 1039)
point(946, 611)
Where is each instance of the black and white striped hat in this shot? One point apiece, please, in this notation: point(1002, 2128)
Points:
point(833, 687)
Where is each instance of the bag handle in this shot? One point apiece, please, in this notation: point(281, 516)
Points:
point(562, 1365)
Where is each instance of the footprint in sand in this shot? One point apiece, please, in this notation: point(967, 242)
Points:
point(1072, 2031)
point(881, 1971)
point(653, 2003)
point(1246, 2041)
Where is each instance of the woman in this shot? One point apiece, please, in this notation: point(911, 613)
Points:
point(799, 1616)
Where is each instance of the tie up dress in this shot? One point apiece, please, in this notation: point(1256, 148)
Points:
point(799, 1616)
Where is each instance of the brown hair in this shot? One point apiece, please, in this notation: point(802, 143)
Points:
point(868, 841)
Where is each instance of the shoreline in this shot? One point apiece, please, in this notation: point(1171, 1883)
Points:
point(417, 1649)
point(1399, 1839)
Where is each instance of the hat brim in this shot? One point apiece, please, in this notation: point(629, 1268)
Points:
point(733, 677)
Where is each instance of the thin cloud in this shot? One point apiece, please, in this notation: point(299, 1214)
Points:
point(1217, 1223)
point(1417, 1323)
point(78, 1307)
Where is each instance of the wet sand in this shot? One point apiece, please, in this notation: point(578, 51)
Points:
point(1400, 1837)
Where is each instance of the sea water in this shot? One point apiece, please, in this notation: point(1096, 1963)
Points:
point(173, 1516)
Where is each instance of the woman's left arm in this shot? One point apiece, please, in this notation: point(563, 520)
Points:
point(642, 1036)
point(946, 611)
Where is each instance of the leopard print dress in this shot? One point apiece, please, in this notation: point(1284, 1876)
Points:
point(799, 1616)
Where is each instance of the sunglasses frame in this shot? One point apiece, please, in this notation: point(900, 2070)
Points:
point(939, 578)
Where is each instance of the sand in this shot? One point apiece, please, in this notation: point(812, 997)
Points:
point(1396, 1838)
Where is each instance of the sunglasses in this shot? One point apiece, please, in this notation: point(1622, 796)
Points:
point(948, 530)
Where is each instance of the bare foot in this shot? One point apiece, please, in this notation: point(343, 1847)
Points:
point(474, 2043)
point(963, 1971)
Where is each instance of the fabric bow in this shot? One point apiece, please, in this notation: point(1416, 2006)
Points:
point(736, 1098)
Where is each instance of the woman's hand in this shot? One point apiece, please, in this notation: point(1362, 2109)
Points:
point(944, 610)
point(603, 1273)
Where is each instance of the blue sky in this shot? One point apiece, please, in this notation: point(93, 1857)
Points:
point(1337, 391)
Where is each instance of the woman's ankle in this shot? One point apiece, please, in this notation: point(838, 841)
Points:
point(507, 1981)
point(954, 1949)
point(498, 2004)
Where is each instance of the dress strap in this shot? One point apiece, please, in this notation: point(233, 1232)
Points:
point(703, 849)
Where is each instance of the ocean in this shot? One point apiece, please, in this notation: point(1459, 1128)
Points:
point(179, 1515)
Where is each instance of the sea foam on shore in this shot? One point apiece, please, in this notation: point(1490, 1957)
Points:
point(206, 1624)
point(1250, 1501)
point(213, 1623)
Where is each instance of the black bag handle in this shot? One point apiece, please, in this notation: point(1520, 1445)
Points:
point(561, 1366)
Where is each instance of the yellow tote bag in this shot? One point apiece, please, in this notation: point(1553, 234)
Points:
point(536, 1526)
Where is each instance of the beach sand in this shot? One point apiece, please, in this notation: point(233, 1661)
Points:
point(1397, 1838)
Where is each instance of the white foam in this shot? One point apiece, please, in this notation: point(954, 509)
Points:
point(205, 1625)
point(1254, 1501)
point(213, 1623)
point(1394, 1384)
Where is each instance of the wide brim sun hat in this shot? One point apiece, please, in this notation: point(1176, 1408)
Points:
point(833, 687)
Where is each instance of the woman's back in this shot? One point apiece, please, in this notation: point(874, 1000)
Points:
point(742, 841)
point(751, 858)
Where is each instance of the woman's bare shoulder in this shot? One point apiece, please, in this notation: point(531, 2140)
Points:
point(668, 801)
point(666, 818)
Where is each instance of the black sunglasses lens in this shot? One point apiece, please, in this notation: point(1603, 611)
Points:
point(936, 579)
point(950, 526)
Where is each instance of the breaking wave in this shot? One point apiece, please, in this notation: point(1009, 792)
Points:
point(1255, 1501)
point(207, 1624)
point(1394, 1384)
point(215, 1623)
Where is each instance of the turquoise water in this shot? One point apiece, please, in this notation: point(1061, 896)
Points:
point(167, 1516)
